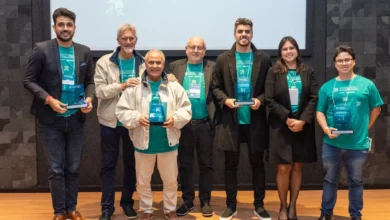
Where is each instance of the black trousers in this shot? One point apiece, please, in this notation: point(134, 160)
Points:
point(258, 172)
point(199, 137)
point(110, 138)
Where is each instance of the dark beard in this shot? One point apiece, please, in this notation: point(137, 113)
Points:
point(63, 39)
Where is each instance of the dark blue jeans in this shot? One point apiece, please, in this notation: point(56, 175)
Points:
point(110, 138)
point(332, 160)
point(62, 142)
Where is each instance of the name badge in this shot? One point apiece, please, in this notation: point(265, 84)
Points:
point(194, 91)
point(293, 96)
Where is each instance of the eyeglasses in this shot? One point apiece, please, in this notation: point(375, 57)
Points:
point(347, 61)
point(199, 48)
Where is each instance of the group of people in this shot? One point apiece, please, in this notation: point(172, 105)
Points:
point(163, 116)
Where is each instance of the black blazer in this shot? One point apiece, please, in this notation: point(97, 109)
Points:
point(283, 142)
point(44, 76)
point(224, 81)
point(178, 69)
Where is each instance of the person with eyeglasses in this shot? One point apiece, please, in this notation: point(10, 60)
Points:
point(348, 106)
point(291, 96)
point(154, 111)
point(195, 74)
point(114, 73)
point(238, 85)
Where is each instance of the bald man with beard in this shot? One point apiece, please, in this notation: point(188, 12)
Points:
point(195, 74)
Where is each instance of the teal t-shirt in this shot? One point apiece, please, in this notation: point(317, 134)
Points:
point(194, 85)
point(294, 82)
point(244, 63)
point(127, 71)
point(158, 139)
point(68, 76)
point(358, 97)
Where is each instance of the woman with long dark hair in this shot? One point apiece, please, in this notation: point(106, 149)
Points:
point(291, 97)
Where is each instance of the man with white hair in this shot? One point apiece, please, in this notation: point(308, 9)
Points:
point(114, 73)
point(154, 112)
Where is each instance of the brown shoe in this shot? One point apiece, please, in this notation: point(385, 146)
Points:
point(59, 217)
point(146, 216)
point(75, 215)
point(171, 216)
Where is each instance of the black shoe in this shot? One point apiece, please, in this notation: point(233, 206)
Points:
point(261, 213)
point(325, 217)
point(105, 216)
point(228, 214)
point(207, 211)
point(356, 218)
point(184, 209)
point(130, 213)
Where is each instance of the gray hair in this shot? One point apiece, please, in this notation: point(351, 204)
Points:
point(155, 51)
point(127, 27)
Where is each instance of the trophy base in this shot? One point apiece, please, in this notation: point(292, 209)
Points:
point(76, 106)
point(156, 123)
point(244, 102)
point(342, 132)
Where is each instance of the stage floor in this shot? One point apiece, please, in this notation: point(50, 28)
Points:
point(37, 206)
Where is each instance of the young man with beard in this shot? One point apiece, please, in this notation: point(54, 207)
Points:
point(240, 75)
point(114, 73)
point(195, 75)
point(54, 70)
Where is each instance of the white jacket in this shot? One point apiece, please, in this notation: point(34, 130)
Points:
point(135, 101)
point(108, 85)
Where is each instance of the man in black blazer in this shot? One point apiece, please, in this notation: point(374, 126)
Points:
point(195, 75)
point(55, 68)
point(246, 67)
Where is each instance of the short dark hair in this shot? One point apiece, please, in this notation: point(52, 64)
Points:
point(63, 12)
point(243, 21)
point(343, 48)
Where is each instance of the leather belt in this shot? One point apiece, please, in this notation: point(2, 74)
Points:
point(199, 121)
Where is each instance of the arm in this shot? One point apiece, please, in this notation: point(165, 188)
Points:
point(34, 69)
point(274, 107)
point(310, 108)
point(217, 84)
point(103, 89)
point(89, 84)
point(126, 111)
point(183, 114)
point(261, 97)
point(374, 115)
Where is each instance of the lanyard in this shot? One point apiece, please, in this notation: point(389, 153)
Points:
point(249, 67)
point(346, 98)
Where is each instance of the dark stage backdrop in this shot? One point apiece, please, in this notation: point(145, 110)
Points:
point(364, 25)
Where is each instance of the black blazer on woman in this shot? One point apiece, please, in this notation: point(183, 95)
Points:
point(286, 146)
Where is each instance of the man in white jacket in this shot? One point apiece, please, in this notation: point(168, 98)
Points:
point(154, 112)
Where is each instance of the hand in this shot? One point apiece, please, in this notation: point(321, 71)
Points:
point(328, 131)
point(89, 107)
point(169, 122)
point(230, 103)
point(289, 121)
point(171, 77)
point(132, 82)
point(297, 125)
point(57, 106)
point(256, 105)
point(143, 120)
